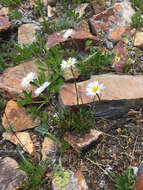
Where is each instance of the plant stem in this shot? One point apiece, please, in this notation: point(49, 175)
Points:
point(98, 97)
point(77, 98)
point(89, 57)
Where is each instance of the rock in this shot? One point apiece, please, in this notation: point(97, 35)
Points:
point(18, 117)
point(10, 80)
point(118, 89)
point(120, 56)
point(26, 33)
point(117, 16)
point(116, 34)
point(138, 41)
point(68, 74)
point(10, 176)
point(139, 183)
point(49, 148)
point(109, 44)
point(135, 170)
point(4, 23)
point(140, 171)
point(81, 142)
point(50, 11)
point(84, 26)
point(22, 138)
point(68, 180)
point(4, 11)
point(80, 9)
point(58, 37)
point(98, 8)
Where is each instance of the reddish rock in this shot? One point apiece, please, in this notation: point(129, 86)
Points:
point(117, 34)
point(10, 176)
point(4, 23)
point(139, 183)
point(120, 56)
point(10, 80)
point(22, 138)
point(27, 34)
point(98, 8)
point(18, 117)
point(117, 16)
point(58, 37)
point(81, 142)
point(118, 87)
point(4, 11)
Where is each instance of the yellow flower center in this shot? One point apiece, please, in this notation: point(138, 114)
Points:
point(29, 79)
point(95, 89)
point(69, 63)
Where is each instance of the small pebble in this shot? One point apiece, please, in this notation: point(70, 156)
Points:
point(109, 44)
point(132, 53)
point(108, 3)
point(135, 169)
point(102, 183)
point(1, 6)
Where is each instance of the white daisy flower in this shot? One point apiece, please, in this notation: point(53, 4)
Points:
point(30, 77)
point(94, 88)
point(41, 88)
point(68, 33)
point(69, 63)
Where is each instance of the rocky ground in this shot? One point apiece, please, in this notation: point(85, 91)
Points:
point(35, 36)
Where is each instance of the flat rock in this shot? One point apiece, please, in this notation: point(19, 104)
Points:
point(22, 138)
point(10, 176)
point(4, 23)
point(117, 16)
point(4, 11)
point(68, 180)
point(138, 41)
point(58, 37)
point(26, 34)
point(18, 118)
point(10, 80)
point(118, 89)
point(49, 148)
point(120, 56)
point(81, 142)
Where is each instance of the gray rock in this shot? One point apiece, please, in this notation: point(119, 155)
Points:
point(10, 177)
point(109, 44)
point(140, 171)
point(132, 53)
